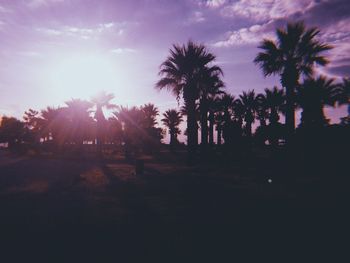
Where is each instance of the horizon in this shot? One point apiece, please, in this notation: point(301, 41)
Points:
point(64, 49)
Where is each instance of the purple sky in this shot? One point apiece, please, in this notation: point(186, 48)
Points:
point(44, 42)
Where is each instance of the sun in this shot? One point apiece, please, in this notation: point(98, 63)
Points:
point(82, 76)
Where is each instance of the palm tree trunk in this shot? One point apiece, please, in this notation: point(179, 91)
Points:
point(249, 129)
point(219, 130)
point(211, 128)
point(289, 80)
point(204, 127)
point(172, 139)
point(290, 112)
point(192, 129)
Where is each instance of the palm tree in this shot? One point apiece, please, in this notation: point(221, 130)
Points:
point(224, 108)
point(182, 73)
point(100, 101)
point(249, 103)
point(312, 96)
point(78, 115)
point(275, 100)
point(227, 102)
point(215, 111)
point(261, 109)
point(211, 87)
point(294, 54)
point(238, 112)
point(172, 119)
point(150, 112)
point(152, 134)
point(131, 122)
point(217, 108)
point(52, 124)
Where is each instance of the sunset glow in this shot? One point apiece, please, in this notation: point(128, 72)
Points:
point(85, 75)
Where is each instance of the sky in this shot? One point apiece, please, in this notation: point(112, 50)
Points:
point(54, 50)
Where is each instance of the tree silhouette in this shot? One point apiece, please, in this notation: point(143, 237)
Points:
point(52, 124)
point(150, 113)
point(217, 108)
point(275, 102)
point(312, 96)
point(211, 87)
point(32, 125)
point(11, 131)
point(262, 113)
point(294, 53)
point(79, 120)
point(136, 134)
point(249, 104)
point(172, 119)
point(223, 118)
point(100, 101)
point(238, 112)
point(182, 73)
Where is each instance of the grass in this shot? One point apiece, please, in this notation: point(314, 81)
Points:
point(90, 209)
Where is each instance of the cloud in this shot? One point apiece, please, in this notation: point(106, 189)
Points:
point(340, 71)
point(50, 31)
point(215, 3)
point(338, 35)
point(265, 10)
point(123, 50)
point(195, 17)
point(41, 3)
point(246, 36)
point(334, 27)
point(84, 32)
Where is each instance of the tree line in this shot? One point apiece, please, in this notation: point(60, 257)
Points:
point(191, 75)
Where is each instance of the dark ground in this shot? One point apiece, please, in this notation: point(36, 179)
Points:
point(55, 210)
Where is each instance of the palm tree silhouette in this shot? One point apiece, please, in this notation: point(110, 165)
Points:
point(312, 96)
point(217, 108)
point(100, 101)
point(182, 73)
point(249, 103)
point(78, 115)
point(150, 113)
point(224, 105)
point(238, 112)
point(275, 100)
point(211, 87)
point(262, 113)
point(215, 116)
point(172, 119)
point(51, 123)
point(294, 54)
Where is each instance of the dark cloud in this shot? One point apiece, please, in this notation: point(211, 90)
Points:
point(341, 71)
point(326, 13)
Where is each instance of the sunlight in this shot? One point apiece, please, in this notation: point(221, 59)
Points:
point(84, 75)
